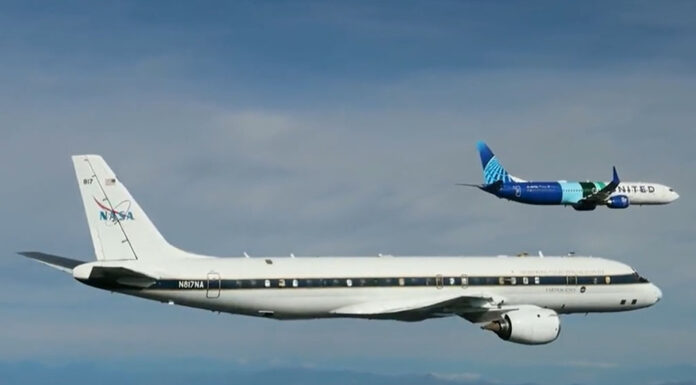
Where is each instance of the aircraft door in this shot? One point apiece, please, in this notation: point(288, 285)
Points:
point(439, 281)
point(465, 281)
point(213, 288)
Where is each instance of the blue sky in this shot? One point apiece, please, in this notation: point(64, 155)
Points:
point(333, 128)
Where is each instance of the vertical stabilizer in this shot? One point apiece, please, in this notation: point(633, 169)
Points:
point(493, 171)
point(120, 229)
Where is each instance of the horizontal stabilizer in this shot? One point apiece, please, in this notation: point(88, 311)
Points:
point(493, 187)
point(61, 263)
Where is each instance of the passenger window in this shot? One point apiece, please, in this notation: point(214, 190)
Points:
point(295, 283)
point(267, 283)
point(607, 280)
point(536, 280)
point(349, 282)
point(281, 283)
point(501, 281)
point(465, 281)
point(401, 282)
point(513, 280)
point(451, 281)
point(595, 280)
point(525, 280)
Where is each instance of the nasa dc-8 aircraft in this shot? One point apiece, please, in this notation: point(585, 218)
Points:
point(582, 196)
point(517, 298)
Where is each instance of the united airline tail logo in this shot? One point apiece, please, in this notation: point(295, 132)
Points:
point(121, 212)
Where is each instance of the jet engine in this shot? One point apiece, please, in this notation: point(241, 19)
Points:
point(529, 326)
point(618, 202)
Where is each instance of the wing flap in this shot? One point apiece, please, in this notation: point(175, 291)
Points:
point(412, 309)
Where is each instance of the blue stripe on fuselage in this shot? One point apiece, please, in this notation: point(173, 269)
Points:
point(537, 193)
point(542, 193)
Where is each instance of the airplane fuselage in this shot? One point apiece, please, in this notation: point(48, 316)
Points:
point(570, 193)
point(324, 287)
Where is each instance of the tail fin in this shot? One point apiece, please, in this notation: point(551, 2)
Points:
point(120, 229)
point(493, 171)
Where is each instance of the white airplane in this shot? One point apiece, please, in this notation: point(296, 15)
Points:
point(518, 298)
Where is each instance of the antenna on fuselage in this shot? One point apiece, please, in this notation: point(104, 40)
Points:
point(541, 255)
point(246, 255)
point(292, 255)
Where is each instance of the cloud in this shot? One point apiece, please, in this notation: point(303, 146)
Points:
point(308, 138)
point(590, 364)
point(458, 377)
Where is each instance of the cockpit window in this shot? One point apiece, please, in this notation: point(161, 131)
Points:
point(671, 189)
point(639, 279)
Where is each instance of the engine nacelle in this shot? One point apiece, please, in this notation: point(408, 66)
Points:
point(618, 202)
point(529, 326)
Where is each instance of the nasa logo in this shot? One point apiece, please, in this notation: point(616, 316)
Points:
point(119, 213)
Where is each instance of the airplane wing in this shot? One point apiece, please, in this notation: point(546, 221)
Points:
point(602, 195)
point(475, 308)
point(61, 263)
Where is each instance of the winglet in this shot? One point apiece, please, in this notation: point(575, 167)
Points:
point(615, 178)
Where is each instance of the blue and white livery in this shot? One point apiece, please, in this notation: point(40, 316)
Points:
point(580, 195)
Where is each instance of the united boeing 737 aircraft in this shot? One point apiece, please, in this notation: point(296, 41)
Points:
point(517, 298)
point(581, 195)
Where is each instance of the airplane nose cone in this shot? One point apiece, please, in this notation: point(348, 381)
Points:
point(657, 293)
point(675, 196)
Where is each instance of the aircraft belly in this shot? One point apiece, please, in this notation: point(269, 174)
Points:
point(282, 303)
